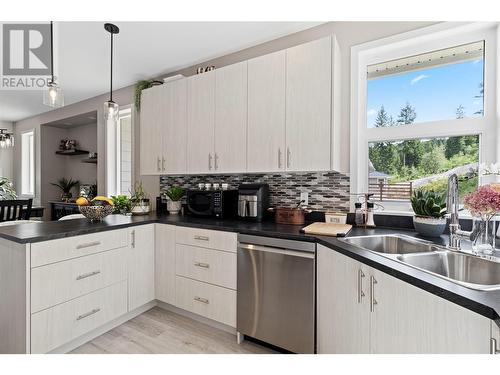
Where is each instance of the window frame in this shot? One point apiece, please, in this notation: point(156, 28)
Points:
point(123, 112)
point(31, 179)
point(436, 37)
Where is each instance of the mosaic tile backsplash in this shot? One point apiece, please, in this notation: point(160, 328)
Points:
point(328, 191)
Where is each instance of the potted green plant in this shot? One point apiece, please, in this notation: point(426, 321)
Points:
point(143, 85)
point(140, 200)
point(430, 211)
point(174, 195)
point(66, 185)
point(6, 189)
point(122, 204)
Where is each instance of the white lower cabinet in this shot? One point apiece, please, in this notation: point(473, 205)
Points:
point(165, 263)
point(141, 267)
point(60, 324)
point(363, 310)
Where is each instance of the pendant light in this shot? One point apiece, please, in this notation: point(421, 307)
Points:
point(53, 96)
point(6, 139)
point(110, 107)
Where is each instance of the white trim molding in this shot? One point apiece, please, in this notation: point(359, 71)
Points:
point(428, 39)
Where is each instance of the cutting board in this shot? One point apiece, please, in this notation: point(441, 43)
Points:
point(327, 229)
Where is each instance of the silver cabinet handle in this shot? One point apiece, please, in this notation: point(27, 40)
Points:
point(279, 158)
point(373, 301)
point(209, 162)
point(158, 161)
point(90, 244)
point(132, 239)
point(361, 294)
point(91, 312)
point(163, 164)
point(202, 300)
point(89, 274)
point(288, 157)
point(216, 164)
point(493, 346)
point(202, 265)
point(202, 238)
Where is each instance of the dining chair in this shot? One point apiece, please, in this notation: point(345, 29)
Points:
point(15, 209)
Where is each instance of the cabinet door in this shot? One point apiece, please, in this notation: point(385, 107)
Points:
point(308, 106)
point(266, 113)
point(174, 132)
point(407, 319)
point(151, 122)
point(165, 263)
point(231, 118)
point(201, 122)
point(342, 310)
point(141, 276)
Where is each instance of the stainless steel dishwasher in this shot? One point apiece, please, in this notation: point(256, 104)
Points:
point(276, 292)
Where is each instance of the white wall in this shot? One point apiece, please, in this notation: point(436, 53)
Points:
point(6, 154)
point(347, 33)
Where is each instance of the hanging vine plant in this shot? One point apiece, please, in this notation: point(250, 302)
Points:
point(142, 85)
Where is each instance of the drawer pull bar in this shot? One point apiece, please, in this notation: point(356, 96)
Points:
point(89, 274)
point(202, 238)
point(202, 300)
point(90, 244)
point(202, 265)
point(92, 312)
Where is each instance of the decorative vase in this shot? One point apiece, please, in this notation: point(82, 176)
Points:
point(429, 226)
point(141, 207)
point(483, 231)
point(65, 197)
point(174, 207)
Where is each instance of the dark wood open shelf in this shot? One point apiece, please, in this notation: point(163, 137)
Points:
point(72, 152)
point(90, 160)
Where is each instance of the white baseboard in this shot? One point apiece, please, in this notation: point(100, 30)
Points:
point(79, 341)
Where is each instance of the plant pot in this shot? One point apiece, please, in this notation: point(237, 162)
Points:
point(174, 207)
point(141, 207)
point(429, 226)
point(65, 197)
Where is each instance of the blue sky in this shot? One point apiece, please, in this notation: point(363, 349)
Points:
point(434, 93)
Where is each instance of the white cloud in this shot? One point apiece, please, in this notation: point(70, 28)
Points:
point(371, 112)
point(419, 78)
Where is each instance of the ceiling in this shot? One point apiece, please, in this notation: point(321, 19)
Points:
point(142, 50)
point(74, 121)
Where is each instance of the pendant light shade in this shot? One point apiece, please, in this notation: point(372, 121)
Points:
point(53, 96)
point(111, 109)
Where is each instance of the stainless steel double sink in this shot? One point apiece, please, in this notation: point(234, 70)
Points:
point(468, 270)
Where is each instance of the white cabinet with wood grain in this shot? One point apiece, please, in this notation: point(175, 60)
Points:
point(201, 123)
point(165, 263)
point(266, 113)
point(230, 143)
point(141, 266)
point(151, 144)
point(361, 309)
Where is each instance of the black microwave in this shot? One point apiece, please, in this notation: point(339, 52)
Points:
point(213, 203)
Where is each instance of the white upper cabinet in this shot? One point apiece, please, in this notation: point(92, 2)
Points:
point(231, 119)
point(174, 131)
point(151, 124)
point(308, 106)
point(201, 123)
point(266, 113)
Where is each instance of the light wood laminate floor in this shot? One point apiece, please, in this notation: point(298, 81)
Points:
point(158, 331)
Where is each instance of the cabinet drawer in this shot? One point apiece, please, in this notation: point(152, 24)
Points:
point(72, 247)
point(210, 301)
point(58, 325)
point(211, 266)
point(212, 239)
point(62, 281)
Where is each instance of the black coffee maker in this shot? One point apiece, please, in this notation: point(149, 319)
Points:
point(253, 201)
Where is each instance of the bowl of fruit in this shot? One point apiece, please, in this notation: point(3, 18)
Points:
point(95, 209)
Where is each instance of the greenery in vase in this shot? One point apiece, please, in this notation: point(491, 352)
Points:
point(122, 203)
point(66, 185)
point(428, 204)
point(139, 194)
point(175, 193)
point(6, 189)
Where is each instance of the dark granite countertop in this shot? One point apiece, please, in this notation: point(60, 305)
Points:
point(486, 303)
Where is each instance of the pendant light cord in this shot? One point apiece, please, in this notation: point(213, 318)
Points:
point(52, 51)
point(111, 78)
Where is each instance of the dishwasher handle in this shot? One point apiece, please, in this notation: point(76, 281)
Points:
point(276, 250)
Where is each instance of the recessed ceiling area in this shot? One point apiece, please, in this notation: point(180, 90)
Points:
point(142, 50)
point(74, 121)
